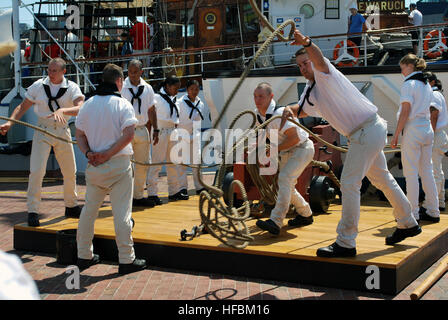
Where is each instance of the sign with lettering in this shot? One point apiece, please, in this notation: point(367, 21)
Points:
point(383, 6)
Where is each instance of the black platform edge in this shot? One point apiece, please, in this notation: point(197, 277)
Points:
point(418, 263)
point(308, 272)
point(294, 71)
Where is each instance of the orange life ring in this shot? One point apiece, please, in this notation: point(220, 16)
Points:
point(350, 44)
point(429, 36)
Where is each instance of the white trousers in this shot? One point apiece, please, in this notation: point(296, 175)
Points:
point(161, 153)
point(183, 169)
point(291, 165)
point(113, 177)
point(438, 154)
point(141, 147)
point(65, 156)
point(416, 153)
point(365, 157)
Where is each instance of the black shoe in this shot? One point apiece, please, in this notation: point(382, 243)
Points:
point(178, 196)
point(74, 212)
point(300, 221)
point(137, 265)
point(33, 219)
point(334, 250)
point(155, 199)
point(426, 217)
point(269, 226)
point(86, 263)
point(184, 191)
point(401, 234)
point(200, 190)
point(143, 202)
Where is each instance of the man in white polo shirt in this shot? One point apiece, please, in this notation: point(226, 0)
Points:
point(105, 128)
point(329, 94)
point(141, 95)
point(415, 18)
point(296, 152)
point(55, 100)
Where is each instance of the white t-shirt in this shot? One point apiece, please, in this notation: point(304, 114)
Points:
point(163, 110)
point(337, 100)
point(36, 94)
point(275, 125)
point(147, 99)
point(417, 17)
point(185, 121)
point(419, 95)
point(103, 119)
point(440, 104)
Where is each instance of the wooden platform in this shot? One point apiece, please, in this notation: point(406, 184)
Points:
point(289, 257)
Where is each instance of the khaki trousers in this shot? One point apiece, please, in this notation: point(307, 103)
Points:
point(141, 147)
point(65, 156)
point(291, 165)
point(438, 153)
point(416, 156)
point(161, 153)
point(113, 177)
point(365, 157)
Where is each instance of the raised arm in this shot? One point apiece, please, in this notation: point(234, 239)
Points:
point(312, 50)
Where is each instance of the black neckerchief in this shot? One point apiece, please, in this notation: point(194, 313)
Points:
point(60, 93)
point(193, 107)
point(418, 76)
point(137, 96)
point(107, 89)
point(172, 103)
point(268, 115)
point(306, 98)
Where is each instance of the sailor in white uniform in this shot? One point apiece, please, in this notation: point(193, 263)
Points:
point(416, 145)
point(439, 121)
point(191, 114)
point(141, 95)
point(55, 100)
point(329, 94)
point(296, 151)
point(105, 128)
point(167, 109)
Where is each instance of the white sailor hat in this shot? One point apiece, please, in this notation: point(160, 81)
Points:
point(353, 5)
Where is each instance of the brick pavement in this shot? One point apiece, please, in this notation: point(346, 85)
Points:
point(101, 282)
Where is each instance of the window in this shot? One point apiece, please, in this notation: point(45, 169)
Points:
point(331, 9)
point(190, 28)
point(232, 21)
point(250, 18)
point(171, 29)
point(307, 10)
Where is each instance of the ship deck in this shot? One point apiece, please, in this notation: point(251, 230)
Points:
point(289, 257)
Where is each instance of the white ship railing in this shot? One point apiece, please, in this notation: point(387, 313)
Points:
point(236, 57)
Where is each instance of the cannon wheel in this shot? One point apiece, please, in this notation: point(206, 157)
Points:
point(321, 194)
